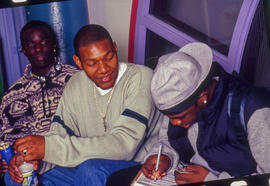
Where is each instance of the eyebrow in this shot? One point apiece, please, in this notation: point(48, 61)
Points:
point(30, 40)
point(91, 59)
point(176, 117)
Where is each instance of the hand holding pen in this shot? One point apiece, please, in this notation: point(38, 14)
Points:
point(153, 171)
point(158, 159)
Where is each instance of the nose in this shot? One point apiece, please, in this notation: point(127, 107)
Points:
point(176, 121)
point(37, 47)
point(102, 67)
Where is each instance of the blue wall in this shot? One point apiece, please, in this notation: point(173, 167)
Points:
point(66, 17)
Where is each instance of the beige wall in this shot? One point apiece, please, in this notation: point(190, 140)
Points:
point(114, 15)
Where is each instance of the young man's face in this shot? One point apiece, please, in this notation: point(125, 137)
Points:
point(38, 47)
point(100, 63)
point(186, 118)
point(189, 116)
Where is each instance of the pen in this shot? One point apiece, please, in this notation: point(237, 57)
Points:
point(158, 159)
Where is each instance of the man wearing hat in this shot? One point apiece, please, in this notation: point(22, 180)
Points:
point(214, 124)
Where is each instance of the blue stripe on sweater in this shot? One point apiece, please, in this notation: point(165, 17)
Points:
point(135, 115)
point(58, 119)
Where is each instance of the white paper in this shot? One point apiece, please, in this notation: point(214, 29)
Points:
point(167, 180)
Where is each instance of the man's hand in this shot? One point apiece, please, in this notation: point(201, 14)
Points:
point(3, 165)
point(149, 166)
point(194, 173)
point(13, 170)
point(14, 165)
point(31, 147)
point(35, 164)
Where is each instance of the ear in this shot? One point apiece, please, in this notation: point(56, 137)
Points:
point(77, 61)
point(115, 46)
point(203, 99)
point(22, 50)
point(55, 47)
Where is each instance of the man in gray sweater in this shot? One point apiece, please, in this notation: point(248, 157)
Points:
point(101, 121)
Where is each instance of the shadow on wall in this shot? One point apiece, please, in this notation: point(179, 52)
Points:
point(256, 57)
point(3, 81)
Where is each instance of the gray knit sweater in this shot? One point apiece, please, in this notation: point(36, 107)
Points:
point(127, 119)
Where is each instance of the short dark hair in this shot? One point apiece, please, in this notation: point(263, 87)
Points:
point(35, 24)
point(90, 34)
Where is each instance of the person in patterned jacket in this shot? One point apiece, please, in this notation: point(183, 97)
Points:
point(30, 103)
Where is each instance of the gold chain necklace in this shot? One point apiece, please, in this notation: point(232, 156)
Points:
point(100, 113)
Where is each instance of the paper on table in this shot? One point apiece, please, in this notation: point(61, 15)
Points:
point(167, 180)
